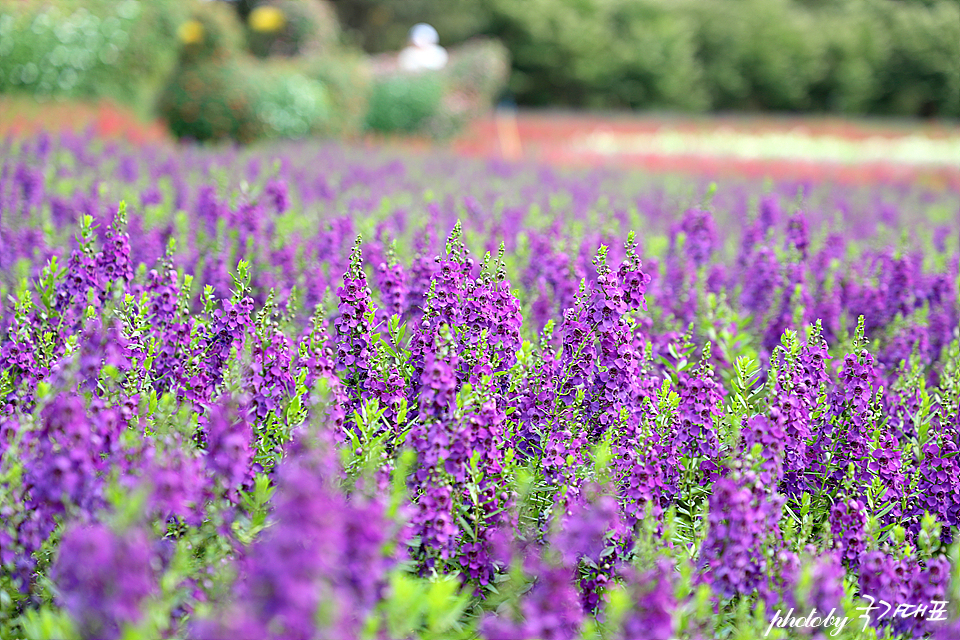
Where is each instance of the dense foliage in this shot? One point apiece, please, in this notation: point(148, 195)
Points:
point(278, 393)
point(844, 56)
point(118, 49)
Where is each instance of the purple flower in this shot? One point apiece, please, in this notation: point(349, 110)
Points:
point(102, 578)
point(64, 463)
point(577, 354)
point(492, 311)
point(550, 610)
point(700, 403)
point(354, 333)
point(229, 456)
point(848, 520)
point(277, 192)
point(392, 282)
point(771, 438)
point(113, 262)
point(421, 275)
point(163, 289)
point(798, 235)
point(652, 604)
point(435, 439)
point(227, 331)
point(319, 571)
point(588, 538)
point(271, 382)
point(734, 558)
point(177, 484)
point(904, 581)
point(583, 533)
point(819, 585)
point(761, 278)
point(701, 235)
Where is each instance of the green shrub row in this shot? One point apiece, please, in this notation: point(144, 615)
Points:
point(848, 56)
point(892, 57)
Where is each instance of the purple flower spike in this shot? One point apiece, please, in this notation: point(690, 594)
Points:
point(103, 578)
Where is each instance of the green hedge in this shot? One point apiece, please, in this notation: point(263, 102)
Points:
point(921, 71)
point(892, 57)
point(117, 49)
point(854, 56)
point(895, 57)
point(404, 103)
point(291, 105)
point(220, 34)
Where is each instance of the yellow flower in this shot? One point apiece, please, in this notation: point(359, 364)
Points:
point(267, 19)
point(190, 32)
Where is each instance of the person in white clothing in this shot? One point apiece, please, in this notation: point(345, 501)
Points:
point(423, 53)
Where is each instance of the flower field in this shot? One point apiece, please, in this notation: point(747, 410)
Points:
point(320, 391)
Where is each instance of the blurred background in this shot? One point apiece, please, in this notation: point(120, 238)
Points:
point(246, 70)
point(851, 56)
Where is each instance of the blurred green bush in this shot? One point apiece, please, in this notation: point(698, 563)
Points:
point(213, 100)
point(211, 94)
point(348, 79)
point(597, 53)
point(404, 103)
point(118, 49)
point(219, 91)
point(479, 68)
point(291, 105)
point(209, 31)
point(920, 72)
point(440, 103)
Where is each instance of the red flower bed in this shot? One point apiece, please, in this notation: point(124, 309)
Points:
point(24, 117)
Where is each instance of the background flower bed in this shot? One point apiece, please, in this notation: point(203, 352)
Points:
point(24, 117)
point(258, 425)
point(673, 143)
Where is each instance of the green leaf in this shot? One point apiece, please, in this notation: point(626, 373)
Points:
point(445, 606)
point(404, 606)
